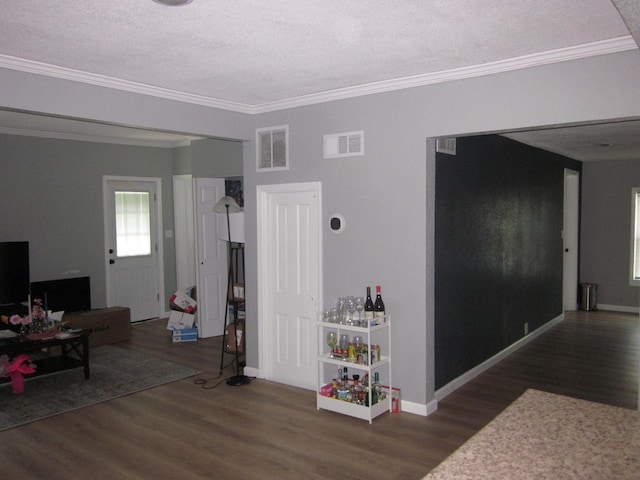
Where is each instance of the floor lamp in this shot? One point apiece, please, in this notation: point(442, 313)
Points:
point(228, 205)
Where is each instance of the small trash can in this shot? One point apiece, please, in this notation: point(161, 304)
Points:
point(589, 292)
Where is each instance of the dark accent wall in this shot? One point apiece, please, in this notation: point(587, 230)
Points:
point(498, 248)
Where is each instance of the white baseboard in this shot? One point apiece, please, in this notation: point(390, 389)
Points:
point(252, 372)
point(419, 408)
point(474, 372)
point(618, 308)
point(429, 408)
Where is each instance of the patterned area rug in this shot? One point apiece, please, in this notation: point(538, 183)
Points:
point(115, 372)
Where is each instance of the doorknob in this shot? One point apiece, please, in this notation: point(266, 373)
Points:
point(112, 261)
point(566, 250)
point(111, 250)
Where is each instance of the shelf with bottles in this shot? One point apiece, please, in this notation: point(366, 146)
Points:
point(354, 395)
point(360, 347)
point(365, 352)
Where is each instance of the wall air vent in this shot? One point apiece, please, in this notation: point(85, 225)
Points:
point(272, 152)
point(446, 145)
point(348, 144)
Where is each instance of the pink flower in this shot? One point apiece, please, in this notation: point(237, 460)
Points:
point(18, 320)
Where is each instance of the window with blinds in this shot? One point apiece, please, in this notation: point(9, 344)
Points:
point(133, 224)
point(635, 237)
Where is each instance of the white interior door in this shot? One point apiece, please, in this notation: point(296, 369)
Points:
point(570, 239)
point(212, 258)
point(289, 256)
point(134, 248)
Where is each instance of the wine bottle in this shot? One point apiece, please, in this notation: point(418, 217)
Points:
point(378, 307)
point(368, 307)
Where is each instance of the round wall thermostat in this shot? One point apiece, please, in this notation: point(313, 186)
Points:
point(336, 223)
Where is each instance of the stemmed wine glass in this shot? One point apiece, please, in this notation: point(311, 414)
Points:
point(351, 308)
point(332, 341)
point(340, 305)
point(360, 308)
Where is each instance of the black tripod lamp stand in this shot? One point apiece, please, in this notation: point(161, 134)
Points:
point(228, 205)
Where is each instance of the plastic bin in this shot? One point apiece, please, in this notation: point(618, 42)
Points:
point(589, 292)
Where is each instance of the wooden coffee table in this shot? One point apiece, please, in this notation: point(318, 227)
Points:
point(52, 354)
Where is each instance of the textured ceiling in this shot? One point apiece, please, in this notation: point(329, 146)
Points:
point(252, 55)
point(254, 52)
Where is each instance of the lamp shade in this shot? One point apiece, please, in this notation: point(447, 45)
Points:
point(224, 202)
point(236, 224)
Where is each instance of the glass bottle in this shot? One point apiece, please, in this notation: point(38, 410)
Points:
point(368, 307)
point(358, 391)
point(376, 389)
point(378, 307)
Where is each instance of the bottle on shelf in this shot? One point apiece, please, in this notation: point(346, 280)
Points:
point(365, 388)
point(376, 389)
point(368, 307)
point(334, 389)
point(378, 307)
point(358, 391)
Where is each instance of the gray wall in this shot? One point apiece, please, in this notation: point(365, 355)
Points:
point(387, 195)
point(51, 194)
point(216, 158)
point(605, 230)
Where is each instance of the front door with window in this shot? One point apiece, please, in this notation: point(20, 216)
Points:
point(131, 239)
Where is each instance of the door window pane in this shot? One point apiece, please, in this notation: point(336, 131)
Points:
point(133, 224)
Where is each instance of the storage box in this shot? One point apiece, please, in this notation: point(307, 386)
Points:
point(231, 339)
point(182, 302)
point(107, 325)
point(185, 335)
point(185, 338)
point(180, 320)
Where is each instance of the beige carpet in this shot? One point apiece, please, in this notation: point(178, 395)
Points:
point(546, 436)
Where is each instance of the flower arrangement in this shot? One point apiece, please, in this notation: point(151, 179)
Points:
point(36, 321)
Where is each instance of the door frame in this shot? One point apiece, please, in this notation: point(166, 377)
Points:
point(159, 237)
point(263, 287)
point(570, 240)
point(184, 230)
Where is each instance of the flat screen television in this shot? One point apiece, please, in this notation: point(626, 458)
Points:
point(14, 272)
point(68, 294)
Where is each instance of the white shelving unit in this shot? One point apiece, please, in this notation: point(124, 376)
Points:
point(328, 368)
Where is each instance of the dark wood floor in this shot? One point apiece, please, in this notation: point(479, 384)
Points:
point(266, 430)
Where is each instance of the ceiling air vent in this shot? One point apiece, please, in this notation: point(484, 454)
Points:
point(348, 144)
point(446, 145)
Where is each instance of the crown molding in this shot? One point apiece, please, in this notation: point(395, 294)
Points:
point(48, 70)
point(603, 47)
point(96, 139)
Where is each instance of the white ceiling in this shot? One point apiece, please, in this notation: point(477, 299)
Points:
point(254, 56)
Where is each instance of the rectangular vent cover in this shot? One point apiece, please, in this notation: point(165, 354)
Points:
point(348, 144)
point(446, 145)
